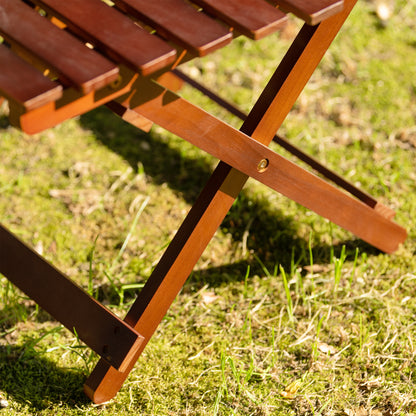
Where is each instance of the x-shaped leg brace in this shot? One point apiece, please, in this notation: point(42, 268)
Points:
point(243, 154)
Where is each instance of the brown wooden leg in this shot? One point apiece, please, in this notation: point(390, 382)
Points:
point(294, 150)
point(218, 196)
point(256, 160)
point(170, 274)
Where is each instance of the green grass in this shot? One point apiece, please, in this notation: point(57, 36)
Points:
point(285, 313)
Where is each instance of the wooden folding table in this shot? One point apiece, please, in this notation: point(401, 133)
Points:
point(60, 59)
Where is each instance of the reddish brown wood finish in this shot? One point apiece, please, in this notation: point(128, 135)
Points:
point(130, 116)
point(294, 150)
point(73, 103)
point(180, 117)
point(218, 195)
point(43, 40)
point(253, 18)
point(311, 11)
point(180, 22)
point(112, 33)
point(20, 82)
point(141, 101)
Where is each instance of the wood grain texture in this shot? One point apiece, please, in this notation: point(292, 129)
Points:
point(179, 22)
point(311, 11)
point(240, 151)
point(20, 82)
point(253, 18)
point(112, 33)
point(75, 64)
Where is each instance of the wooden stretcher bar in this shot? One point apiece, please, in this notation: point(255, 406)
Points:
point(102, 331)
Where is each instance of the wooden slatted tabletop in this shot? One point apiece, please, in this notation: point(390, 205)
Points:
point(118, 38)
point(178, 21)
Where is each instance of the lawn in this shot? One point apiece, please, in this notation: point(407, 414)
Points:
point(285, 313)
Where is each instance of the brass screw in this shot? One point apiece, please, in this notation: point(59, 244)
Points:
point(262, 165)
point(116, 83)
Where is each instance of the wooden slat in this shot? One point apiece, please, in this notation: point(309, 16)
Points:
point(311, 11)
point(22, 83)
point(75, 64)
point(253, 18)
point(113, 33)
point(179, 22)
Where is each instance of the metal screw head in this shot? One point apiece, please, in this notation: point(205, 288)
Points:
point(262, 165)
point(116, 83)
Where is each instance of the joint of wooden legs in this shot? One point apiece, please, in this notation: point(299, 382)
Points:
point(129, 358)
point(131, 116)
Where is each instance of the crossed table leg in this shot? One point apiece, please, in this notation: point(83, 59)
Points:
point(246, 153)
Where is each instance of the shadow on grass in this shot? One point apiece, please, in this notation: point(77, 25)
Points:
point(36, 382)
point(273, 235)
point(161, 162)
